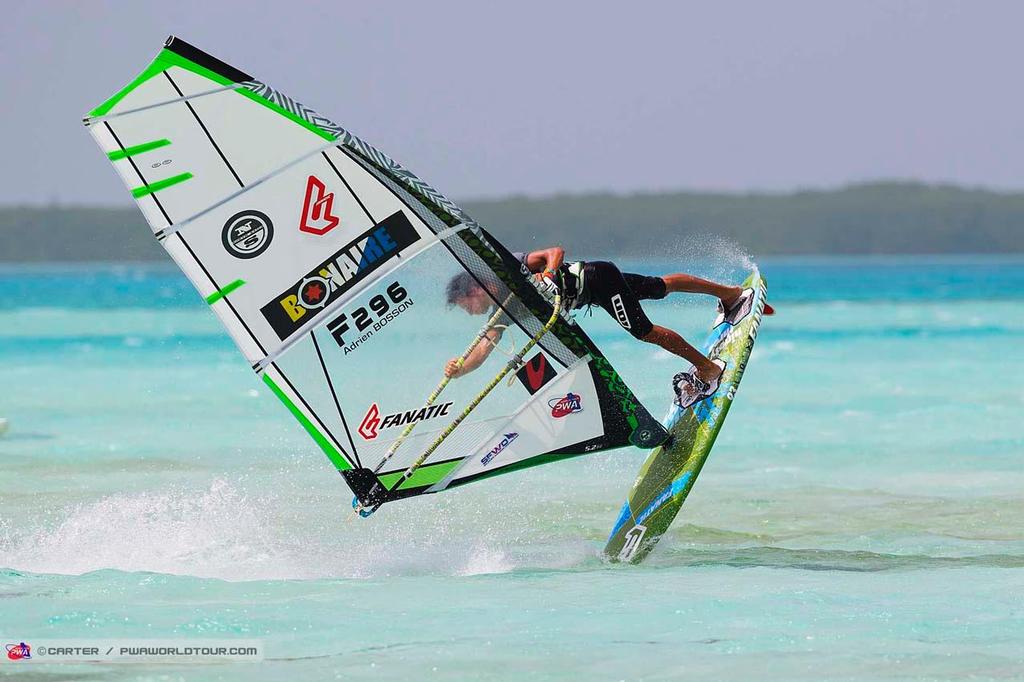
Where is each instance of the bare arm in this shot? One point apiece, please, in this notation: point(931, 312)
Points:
point(477, 356)
point(545, 260)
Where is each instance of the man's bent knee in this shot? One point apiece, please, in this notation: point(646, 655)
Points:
point(650, 335)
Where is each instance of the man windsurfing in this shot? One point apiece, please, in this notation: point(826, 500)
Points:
point(601, 283)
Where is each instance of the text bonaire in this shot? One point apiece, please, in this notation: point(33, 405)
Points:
point(344, 268)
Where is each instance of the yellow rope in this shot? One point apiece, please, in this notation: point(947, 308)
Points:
point(512, 364)
point(444, 382)
point(481, 335)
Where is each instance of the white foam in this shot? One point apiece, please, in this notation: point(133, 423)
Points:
point(721, 256)
point(219, 532)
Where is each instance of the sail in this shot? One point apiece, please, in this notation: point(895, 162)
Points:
point(328, 262)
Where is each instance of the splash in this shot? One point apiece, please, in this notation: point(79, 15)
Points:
point(220, 532)
point(704, 255)
point(217, 533)
point(714, 256)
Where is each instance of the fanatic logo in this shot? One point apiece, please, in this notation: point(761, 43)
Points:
point(368, 427)
point(316, 208)
point(633, 538)
point(372, 422)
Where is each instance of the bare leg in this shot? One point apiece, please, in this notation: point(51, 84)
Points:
point(674, 343)
point(696, 285)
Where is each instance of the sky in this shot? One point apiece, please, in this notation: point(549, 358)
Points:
point(538, 98)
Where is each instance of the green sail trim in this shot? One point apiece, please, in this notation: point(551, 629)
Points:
point(429, 474)
point(174, 59)
point(332, 452)
point(154, 69)
point(221, 293)
point(329, 136)
point(155, 187)
point(166, 59)
point(424, 476)
point(137, 149)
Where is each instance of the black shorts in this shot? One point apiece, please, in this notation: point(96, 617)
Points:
point(620, 294)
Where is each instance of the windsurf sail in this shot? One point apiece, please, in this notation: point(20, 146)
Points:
point(512, 365)
point(328, 263)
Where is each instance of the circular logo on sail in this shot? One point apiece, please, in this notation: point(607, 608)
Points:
point(247, 234)
point(563, 407)
point(313, 292)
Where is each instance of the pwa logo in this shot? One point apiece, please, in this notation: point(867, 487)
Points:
point(496, 450)
point(317, 217)
point(561, 407)
point(19, 652)
point(633, 538)
point(372, 422)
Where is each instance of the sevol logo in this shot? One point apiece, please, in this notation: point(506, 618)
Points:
point(247, 234)
point(316, 208)
point(372, 422)
point(19, 652)
point(633, 538)
point(561, 407)
point(620, 311)
point(496, 450)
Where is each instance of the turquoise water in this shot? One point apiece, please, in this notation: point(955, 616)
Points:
point(862, 515)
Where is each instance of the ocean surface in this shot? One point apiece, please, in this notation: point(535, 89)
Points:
point(861, 517)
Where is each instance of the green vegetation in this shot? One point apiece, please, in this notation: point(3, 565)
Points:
point(887, 217)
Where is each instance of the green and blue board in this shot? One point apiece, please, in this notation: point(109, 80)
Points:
point(670, 471)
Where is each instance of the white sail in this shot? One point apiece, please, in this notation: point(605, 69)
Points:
point(327, 262)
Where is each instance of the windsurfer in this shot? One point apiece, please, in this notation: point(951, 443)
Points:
point(601, 283)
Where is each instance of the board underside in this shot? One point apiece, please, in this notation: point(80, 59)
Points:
point(670, 470)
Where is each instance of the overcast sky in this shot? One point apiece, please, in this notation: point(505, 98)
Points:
point(488, 99)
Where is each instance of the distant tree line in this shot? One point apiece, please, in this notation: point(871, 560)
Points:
point(876, 218)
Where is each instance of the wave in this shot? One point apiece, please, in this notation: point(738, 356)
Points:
point(826, 559)
point(778, 333)
point(221, 533)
